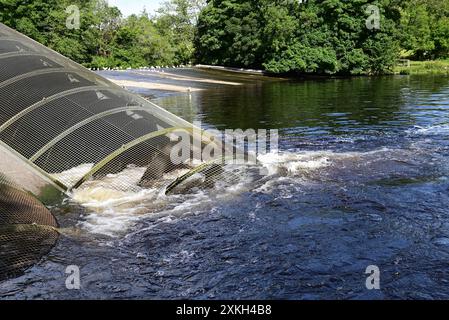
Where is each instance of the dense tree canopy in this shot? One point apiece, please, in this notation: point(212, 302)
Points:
point(105, 38)
point(327, 36)
point(319, 36)
point(425, 28)
point(301, 36)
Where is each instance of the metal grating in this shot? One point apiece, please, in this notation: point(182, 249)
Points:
point(27, 135)
point(21, 94)
point(94, 141)
point(10, 46)
point(62, 118)
point(152, 154)
point(14, 66)
point(69, 125)
point(27, 230)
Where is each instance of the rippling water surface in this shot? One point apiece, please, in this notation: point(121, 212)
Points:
point(361, 179)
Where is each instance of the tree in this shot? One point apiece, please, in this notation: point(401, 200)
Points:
point(138, 43)
point(105, 38)
point(176, 21)
point(309, 36)
point(315, 36)
point(45, 21)
point(425, 28)
point(230, 33)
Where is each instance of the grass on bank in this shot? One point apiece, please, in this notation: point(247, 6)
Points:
point(423, 67)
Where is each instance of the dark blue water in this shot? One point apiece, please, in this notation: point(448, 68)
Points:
point(363, 180)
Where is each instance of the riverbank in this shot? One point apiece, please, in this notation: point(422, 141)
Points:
point(423, 67)
point(162, 82)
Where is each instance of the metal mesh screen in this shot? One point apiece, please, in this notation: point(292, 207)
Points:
point(152, 154)
point(27, 230)
point(74, 125)
point(21, 94)
point(69, 125)
point(59, 116)
point(15, 66)
point(95, 140)
point(9, 46)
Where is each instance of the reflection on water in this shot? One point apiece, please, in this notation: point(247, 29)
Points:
point(361, 179)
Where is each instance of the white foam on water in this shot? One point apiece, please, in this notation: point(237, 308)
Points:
point(73, 175)
point(296, 169)
point(115, 203)
point(110, 207)
point(442, 129)
point(299, 162)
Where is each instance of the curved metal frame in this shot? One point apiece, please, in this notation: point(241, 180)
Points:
point(51, 98)
point(80, 124)
point(195, 170)
point(142, 139)
point(18, 54)
point(34, 73)
point(97, 83)
point(121, 150)
point(9, 38)
point(56, 183)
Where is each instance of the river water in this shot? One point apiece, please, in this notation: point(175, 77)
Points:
point(361, 179)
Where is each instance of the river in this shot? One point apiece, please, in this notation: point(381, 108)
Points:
point(361, 179)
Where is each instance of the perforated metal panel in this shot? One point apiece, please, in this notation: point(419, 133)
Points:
point(21, 94)
point(63, 124)
point(95, 140)
point(59, 116)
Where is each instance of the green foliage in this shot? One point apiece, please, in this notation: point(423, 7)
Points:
point(230, 33)
point(105, 38)
point(281, 36)
point(425, 28)
point(177, 22)
point(317, 36)
point(45, 21)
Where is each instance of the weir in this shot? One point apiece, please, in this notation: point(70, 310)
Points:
point(56, 115)
point(62, 125)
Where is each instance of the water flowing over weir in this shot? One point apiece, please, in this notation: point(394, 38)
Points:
point(56, 116)
point(62, 125)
